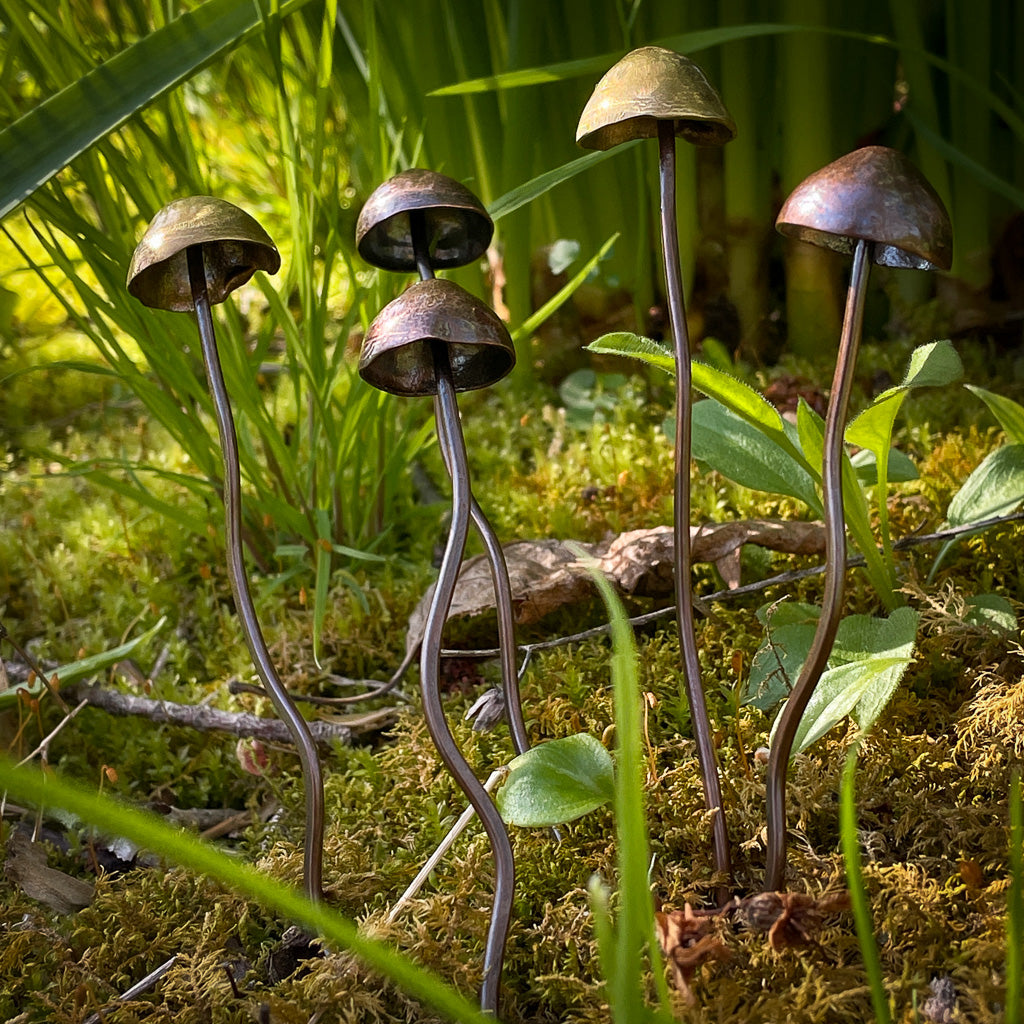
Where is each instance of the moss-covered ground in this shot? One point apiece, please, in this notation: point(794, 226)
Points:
point(81, 568)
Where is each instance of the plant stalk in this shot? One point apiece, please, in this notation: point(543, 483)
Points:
point(681, 509)
point(835, 564)
point(312, 774)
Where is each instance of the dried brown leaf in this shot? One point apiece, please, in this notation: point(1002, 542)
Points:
point(687, 940)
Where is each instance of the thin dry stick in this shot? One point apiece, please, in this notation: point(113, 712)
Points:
point(445, 845)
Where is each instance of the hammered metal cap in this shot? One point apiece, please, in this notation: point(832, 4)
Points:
point(878, 195)
point(234, 248)
point(458, 228)
point(397, 354)
point(649, 85)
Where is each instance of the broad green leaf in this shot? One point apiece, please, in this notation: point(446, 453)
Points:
point(635, 346)
point(991, 611)
point(776, 664)
point(747, 456)
point(743, 400)
point(556, 782)
point(868, 660)
point(901, 468)
point(38, 145)
point(933, 366)
point(730, 391)
point(995, 488)
point(1009, 413)
point(872, 429)
point(84, 667)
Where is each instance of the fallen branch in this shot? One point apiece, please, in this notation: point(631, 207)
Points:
point(203, 718)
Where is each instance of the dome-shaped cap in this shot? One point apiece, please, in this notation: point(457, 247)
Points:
point(234, 248)
point(397, 354)
point(878, 195)
point(649, 85)
point(457, 227)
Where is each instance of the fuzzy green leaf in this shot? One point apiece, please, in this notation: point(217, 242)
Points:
point(747, 456)
point(556, 782)
point(995, 488)
point(1009, 413)
point(991, 611)
point(868, 661)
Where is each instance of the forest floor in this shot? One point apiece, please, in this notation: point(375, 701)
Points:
point(83, 569)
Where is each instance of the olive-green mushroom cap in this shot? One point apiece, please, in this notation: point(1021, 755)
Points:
point(648, 86)
point(234, 248)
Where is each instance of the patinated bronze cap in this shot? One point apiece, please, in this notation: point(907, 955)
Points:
point(457, 227)
point(234, 248)
point(649, 85)
point(397, 352)
point(878, 195)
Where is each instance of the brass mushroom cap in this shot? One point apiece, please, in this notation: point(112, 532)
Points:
point(234, 248)
point(649, 85)
point(458, 228)
point(878, 195)
point(397, 354)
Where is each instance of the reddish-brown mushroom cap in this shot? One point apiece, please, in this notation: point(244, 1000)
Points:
point(649, 85)
point(878, 195)
point(234, 248)
point(397, 354)
point(457, 227)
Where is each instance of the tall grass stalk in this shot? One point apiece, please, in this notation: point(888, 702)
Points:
point(323, 455)
point(1015, 913)
point(622, 940)
point(150, 832)
point(858, 893)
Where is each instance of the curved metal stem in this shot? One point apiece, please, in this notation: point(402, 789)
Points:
point(681, 514)
point(312, 776)
point(506, 616)
point(835, 567)
point(495, 555)
point(450, 433)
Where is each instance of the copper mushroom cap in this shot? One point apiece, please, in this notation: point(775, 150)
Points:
point(649, 85)
point(234, 248)
point(458, 228)
point(397, 354)
point(878, 195)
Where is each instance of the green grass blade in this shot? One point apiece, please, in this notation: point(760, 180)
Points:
point(858, 894)
point(530, 190)
point(532, 322)
point(1015, 911)
point(635, 923)
point(150, 832)
point(38, 145)
point(690, 42)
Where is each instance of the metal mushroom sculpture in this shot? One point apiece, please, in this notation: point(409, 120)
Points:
point(436, 339)
point(876, 205)
point(195, 252)
point(657, 93)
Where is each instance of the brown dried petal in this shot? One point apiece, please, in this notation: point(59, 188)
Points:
point(687, 941)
